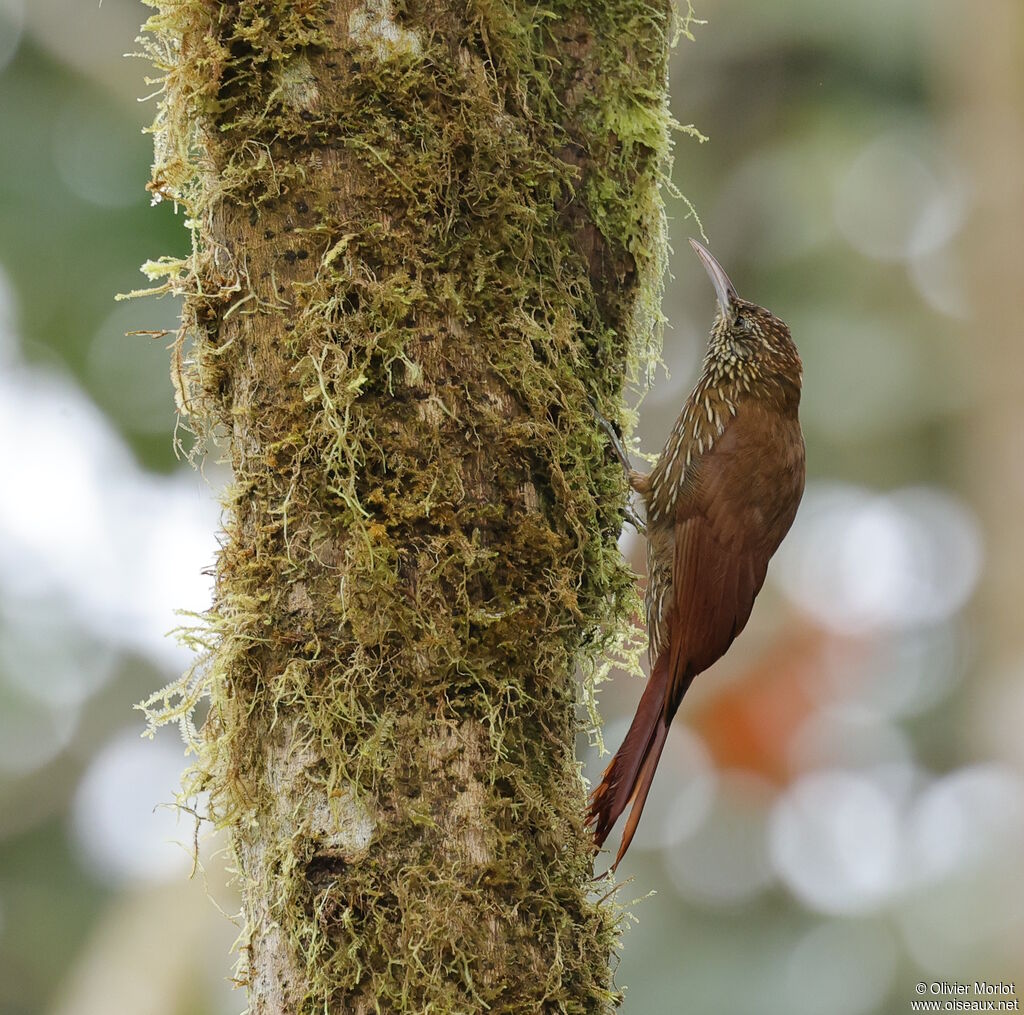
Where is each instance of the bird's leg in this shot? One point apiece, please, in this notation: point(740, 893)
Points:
point(629, 515)
point(620, 451)
point(632, 476)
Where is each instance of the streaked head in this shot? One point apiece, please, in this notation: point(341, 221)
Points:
point(744, 332)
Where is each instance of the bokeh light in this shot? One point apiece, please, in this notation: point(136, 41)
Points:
point(120, 549)
point(835, 842)
point(724, 860)
point(852, 963)
point(859, 561)
point(840, 810)
point(122, 835)
point(898, 200)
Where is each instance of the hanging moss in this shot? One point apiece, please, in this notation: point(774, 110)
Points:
point(424, 236)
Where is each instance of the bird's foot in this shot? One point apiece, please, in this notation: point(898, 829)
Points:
point(638, 524)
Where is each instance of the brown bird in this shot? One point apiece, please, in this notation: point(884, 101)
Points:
point(719, 500)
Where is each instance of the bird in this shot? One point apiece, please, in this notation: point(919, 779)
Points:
point(718, 502)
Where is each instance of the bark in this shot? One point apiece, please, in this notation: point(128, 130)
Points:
point(424, 234)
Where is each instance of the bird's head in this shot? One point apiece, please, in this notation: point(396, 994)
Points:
point(745, 337)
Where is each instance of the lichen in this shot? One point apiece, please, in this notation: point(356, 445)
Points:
point(374, 25)
point(425, 238)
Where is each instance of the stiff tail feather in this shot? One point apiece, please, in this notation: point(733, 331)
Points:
point(629, 776)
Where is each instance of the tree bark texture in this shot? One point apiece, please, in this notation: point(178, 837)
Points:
point(424, 235)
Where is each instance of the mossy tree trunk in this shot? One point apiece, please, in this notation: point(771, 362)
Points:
point(424, 234)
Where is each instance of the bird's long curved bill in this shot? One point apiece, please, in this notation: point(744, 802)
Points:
point(724, 289)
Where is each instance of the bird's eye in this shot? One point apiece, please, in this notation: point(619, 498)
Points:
point(740, 322)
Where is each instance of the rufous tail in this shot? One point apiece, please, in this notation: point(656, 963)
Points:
point(629, 776)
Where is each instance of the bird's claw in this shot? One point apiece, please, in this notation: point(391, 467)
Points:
point(629, 515)
point(620, 453)
point(613, 437)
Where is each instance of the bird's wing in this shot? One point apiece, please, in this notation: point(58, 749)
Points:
point(714, 587)
point(726, 529)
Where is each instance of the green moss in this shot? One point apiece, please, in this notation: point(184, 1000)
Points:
point(423, 239)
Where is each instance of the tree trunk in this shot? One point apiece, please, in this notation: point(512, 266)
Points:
point(424, 235)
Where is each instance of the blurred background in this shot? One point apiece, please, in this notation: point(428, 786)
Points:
point(840, 812)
